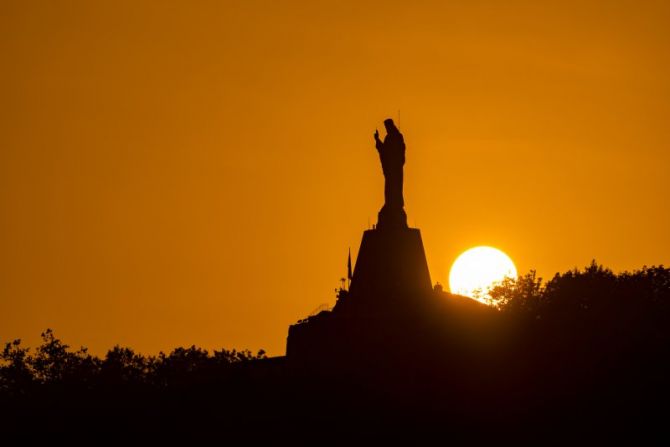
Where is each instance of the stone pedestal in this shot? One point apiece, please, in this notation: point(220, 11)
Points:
point(391, 273)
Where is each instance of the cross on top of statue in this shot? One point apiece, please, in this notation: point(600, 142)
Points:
point(392, 155)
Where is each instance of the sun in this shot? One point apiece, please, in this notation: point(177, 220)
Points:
point(477, 269)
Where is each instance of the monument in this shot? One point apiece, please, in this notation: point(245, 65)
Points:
point(390, 285)
point(391, 270)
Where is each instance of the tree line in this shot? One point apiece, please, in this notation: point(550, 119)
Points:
point(585, 351)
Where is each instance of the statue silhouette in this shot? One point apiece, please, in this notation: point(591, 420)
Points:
point(392, 156)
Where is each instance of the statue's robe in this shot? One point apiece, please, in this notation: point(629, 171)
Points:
point(392, 155)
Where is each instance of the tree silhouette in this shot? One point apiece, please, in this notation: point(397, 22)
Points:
point(520, 296)
point(16, 373)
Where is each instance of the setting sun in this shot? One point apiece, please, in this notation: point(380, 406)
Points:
point(477, 269)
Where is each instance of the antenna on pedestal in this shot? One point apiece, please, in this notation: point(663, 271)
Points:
point(349, 274)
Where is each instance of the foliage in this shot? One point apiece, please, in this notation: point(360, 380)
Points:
point(593, 316)
point(594, 292)
point(54, 363)
point(521, 295)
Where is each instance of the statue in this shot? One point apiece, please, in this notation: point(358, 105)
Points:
point(392, 155)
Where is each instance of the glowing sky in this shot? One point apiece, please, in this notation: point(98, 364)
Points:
point(177, 173)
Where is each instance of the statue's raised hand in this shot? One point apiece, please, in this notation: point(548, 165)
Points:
point(376, 134)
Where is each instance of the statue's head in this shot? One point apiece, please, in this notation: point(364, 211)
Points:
point(390, 126)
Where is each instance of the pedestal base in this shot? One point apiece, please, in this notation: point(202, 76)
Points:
point(389, 218)
point(391, 273)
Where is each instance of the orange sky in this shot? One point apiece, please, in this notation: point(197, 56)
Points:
point(177, 173)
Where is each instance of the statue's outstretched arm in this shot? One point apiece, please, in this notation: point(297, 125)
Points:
point(378, 143)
